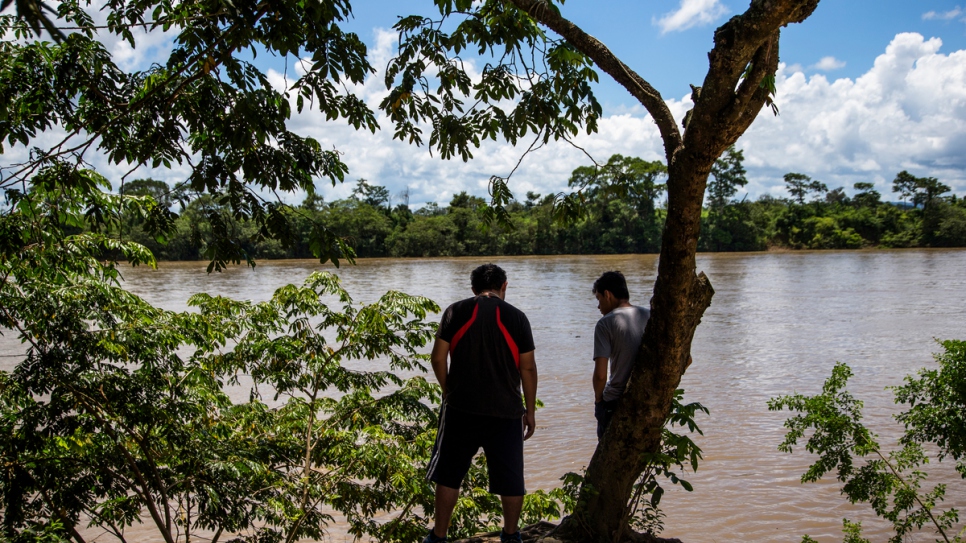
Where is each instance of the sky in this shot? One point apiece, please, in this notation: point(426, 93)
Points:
point(865, 89)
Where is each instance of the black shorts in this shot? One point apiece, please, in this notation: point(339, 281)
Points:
point(460, 437)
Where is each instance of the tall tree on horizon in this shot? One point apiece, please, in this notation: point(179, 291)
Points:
point(727, 176)
point(800, 185)
point(926, 192)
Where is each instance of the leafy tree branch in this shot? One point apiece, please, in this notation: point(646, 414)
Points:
point(890, 482)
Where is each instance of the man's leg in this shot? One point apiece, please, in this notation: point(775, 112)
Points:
point(445, 503)
point(456, 443)
point(503, 446)
point(512, 505)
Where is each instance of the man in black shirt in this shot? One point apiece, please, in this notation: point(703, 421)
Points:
point(490, 350)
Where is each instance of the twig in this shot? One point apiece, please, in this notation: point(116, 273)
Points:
point(533, 147)
point(916, 494)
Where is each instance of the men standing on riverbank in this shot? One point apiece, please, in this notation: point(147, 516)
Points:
point(617, 338)
point(490, 349)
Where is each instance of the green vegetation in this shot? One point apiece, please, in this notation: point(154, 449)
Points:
point(614, 208)
point(256, 421)
point(206, 107)
point(831, 220)
point(891, 482)
point(373, 228)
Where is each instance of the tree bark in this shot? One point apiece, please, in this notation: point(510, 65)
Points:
point(737, 86)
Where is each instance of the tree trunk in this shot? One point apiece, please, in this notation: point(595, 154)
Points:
point(680, 299)
point(740, 81)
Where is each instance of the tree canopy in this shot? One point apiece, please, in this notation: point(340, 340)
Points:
point(611, 219)
point(800, 185)
point(207, 106)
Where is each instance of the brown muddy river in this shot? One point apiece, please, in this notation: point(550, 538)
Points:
point(777, 325)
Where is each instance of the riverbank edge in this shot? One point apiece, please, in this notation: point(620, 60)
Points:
point(542, 532)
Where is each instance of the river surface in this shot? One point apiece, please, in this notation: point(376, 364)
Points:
point(777, 325)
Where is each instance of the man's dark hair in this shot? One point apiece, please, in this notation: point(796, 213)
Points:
point(487, 277)
point(614, 282)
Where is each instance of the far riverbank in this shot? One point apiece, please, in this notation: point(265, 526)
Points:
point(609, 226)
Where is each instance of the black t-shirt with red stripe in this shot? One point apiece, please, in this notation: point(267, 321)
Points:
point(486, 336)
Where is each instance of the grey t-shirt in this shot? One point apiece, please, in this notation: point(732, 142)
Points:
point(618, 337)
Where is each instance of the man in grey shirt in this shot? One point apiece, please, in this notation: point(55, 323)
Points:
point(617, 338)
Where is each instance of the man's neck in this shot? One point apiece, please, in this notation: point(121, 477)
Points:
point(489, 294)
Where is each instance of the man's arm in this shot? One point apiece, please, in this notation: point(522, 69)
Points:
point(438, 360)
point(528, 375)
point(600, 377)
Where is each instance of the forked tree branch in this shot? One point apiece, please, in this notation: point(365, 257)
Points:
point(765, 59)
point(728, 104)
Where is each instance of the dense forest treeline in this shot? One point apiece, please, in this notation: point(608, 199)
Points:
point(613, 208)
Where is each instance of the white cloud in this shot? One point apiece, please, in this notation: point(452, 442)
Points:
point(943, 16)
point(691, 13)
point(152, 46)
point(907, 112)
point(828, 64)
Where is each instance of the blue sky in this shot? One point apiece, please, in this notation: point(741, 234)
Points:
point(866, 89)
point(854, 32)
